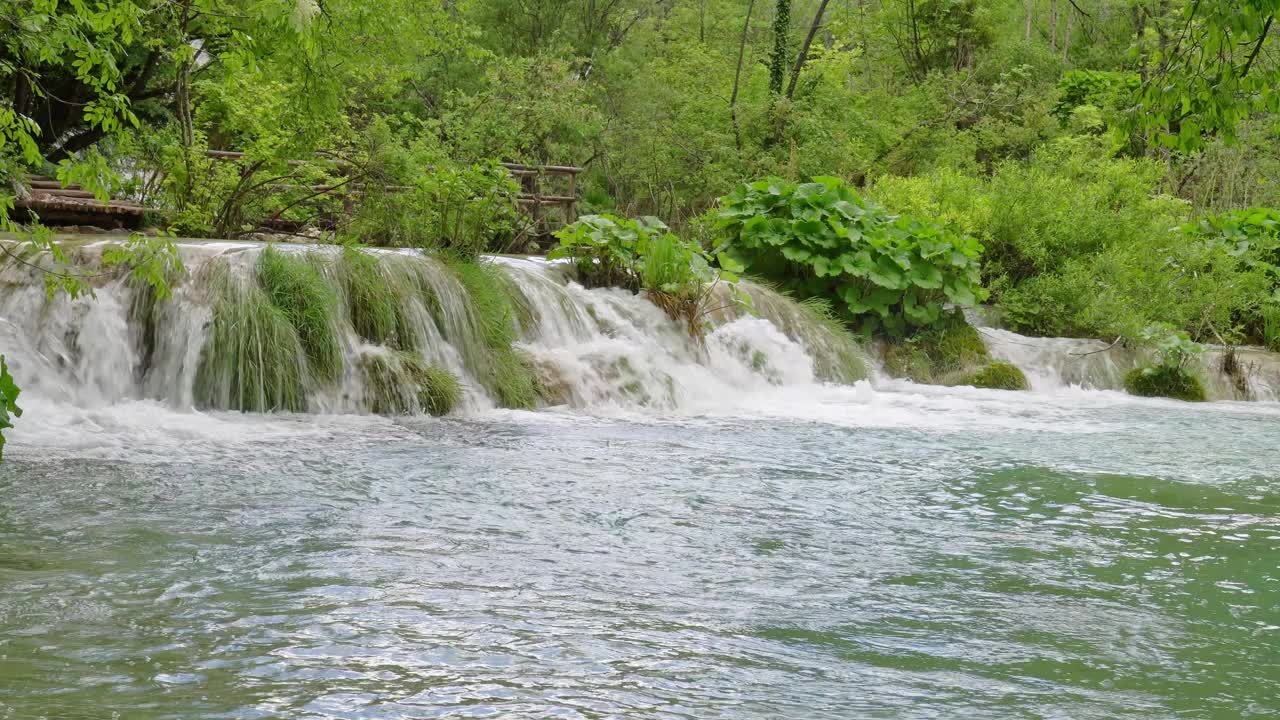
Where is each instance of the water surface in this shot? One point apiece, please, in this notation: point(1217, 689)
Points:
point(810, 553)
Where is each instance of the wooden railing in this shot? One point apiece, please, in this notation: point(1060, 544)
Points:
point(548, 206)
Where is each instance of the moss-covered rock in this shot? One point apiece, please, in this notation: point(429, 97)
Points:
point(1164, 381)
point(935, 354)
point(993, 376)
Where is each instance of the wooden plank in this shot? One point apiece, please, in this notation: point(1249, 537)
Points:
point(63, 192)
point(79, 205)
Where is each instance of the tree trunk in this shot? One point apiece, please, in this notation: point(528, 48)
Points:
point(737, 74)
point(804, 49)
point(1029, 10)
point(781, 46)
point(1053, 25)
point(1066, 35)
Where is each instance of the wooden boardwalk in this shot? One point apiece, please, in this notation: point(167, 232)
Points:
point(548, 196)
point(73, 205)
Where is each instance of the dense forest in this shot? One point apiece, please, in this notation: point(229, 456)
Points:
point(1090, 168)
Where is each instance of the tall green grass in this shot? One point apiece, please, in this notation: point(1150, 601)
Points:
point(252, 360)
point(507, 373)
point(372, 306)
point(297, 287)
point(1271, 327)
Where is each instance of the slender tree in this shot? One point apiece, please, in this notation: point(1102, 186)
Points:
point(781, 47)
point(804, 49)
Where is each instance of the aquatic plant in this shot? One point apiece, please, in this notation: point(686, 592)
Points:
point(838, 355)
point(508, 374)
point(372, 306)
point(993, 376)
point(252, 360)
point(296, 285)
point(400, 383)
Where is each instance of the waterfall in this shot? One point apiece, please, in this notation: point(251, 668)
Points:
point(331, 330)
point(1052, 364)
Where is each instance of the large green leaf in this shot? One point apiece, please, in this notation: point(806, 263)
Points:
point(8, 401)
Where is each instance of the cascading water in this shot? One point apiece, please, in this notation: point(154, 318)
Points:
point(225, 341)
point(1055, 363)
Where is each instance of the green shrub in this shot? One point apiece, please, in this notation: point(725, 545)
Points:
point(821, 239)
point(994, 376)
point(415, 195)
point(8, 402)
point(677, 275)
point(1164, 381)
point(1168, 376)
point(1271, 327)
point(605, 248)
point(1106, 90)
point(1079, 243)
point(297, 286)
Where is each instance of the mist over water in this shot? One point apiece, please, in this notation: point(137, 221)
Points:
point(697, 531)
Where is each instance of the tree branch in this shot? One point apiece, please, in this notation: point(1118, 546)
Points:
point(804, 49)
point(1248, 64)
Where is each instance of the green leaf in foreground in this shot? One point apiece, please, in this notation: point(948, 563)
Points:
point(8, 401)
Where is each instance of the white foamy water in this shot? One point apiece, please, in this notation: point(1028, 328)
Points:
point(94, 386)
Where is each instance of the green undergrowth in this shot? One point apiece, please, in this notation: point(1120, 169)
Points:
point(252, 360)
point(950, 353)
point(400, 383)
point(297, 286)
point(1165, 381)
point(508, 373)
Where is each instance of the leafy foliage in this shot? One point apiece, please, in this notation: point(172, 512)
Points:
point(8, 402)
point(821, 239)
point(642, 254)
point(1212, 77)
point(152, 262)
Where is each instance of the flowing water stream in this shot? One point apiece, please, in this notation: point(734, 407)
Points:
point(736, 529)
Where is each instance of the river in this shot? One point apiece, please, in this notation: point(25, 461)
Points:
point(899, 553)
point(791, 550)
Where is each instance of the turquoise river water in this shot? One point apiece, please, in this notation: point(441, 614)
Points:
point(826, 553)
